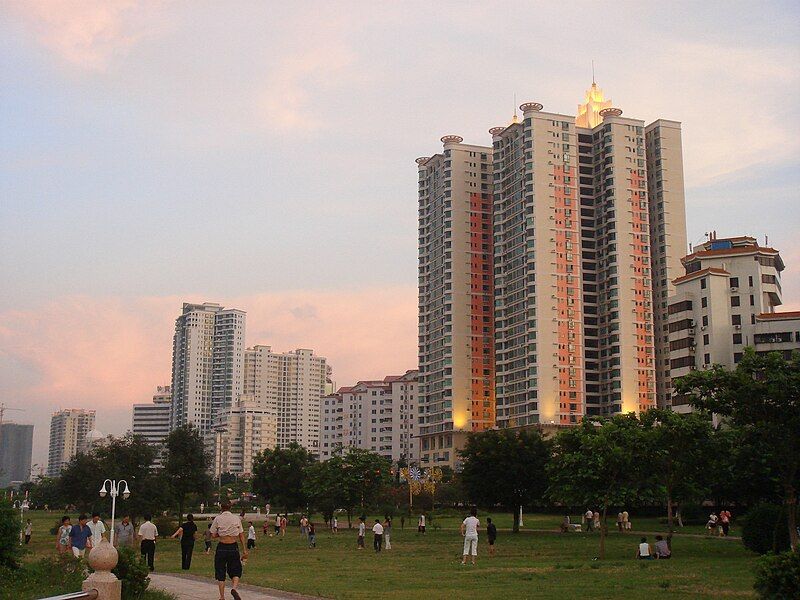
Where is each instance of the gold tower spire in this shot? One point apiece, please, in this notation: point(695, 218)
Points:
point(589, 112)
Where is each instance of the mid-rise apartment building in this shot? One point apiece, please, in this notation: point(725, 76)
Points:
point(290, 385)
point(584, 223)
point(247, 429)
point(207, 364)
point(380, 416)
point(724, 302)
point(69, 434)
point(456, 299)
point(152, 421)
point(16, 449)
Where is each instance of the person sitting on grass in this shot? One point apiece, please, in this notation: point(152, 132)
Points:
point(644, 552)
point(662, 548)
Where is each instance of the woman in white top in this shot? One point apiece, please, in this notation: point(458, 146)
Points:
point(643, 552)
point(469, 529)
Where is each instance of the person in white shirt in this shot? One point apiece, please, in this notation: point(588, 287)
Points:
point(361, 531)
point(421, 524)
point(643, 552)
point(469, 529)
point(227, 528)
point(97, 527)
point(251, 536)
point(148, 534)
point(377, 529)
point(589, 516)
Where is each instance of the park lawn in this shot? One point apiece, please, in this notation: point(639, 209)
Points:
point(527, 565)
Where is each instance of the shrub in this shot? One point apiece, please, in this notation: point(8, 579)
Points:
point(778, 576)
point(9, 535)
point(133, 573)
point(765, 529)
point(46, 577)
point(166, 525)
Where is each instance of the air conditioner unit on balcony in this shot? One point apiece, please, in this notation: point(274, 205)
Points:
point(737, 327)
point(734, 289)
point(691, 330)
point(702, 328)
point(706, 366)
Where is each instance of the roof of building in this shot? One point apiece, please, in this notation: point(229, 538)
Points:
point(779, 316)
point(700, 273)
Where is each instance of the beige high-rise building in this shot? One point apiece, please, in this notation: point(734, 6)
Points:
point(724, 302)
point(247, 429)
point(152, 421)
point(588, 212)
point(207, 364)
point(290, 386)
point(587, 229)
point(69, 431)
point(380, 416)
point(456, 325)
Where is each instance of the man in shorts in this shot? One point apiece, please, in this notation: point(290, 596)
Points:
point(227, 528)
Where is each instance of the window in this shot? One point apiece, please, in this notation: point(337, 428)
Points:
point(735, 301)
point(737, 338)
point(734, 281)
point(706, 359)
point(705, 340)
point(705, 320)
point(750, 281)
point(752, 300)
point(703, 283)
point(736, 319)
point(704, 302)
point(737, 356)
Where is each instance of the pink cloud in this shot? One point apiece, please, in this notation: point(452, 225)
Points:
point(86, 33)
point(109, 353)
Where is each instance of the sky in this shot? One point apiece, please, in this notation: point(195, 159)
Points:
point(261, 155)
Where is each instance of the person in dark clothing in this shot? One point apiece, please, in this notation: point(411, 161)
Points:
point(186, 532)
point(491, 535)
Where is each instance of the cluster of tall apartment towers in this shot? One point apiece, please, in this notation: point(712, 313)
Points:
point(545, 263)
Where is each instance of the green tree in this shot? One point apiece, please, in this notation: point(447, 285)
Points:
point(602, 462)
point(186, 465)
point(505, 467)
point(279, 475)
point(679, 456)
point(323, 486)
point(79, 482)
point(130, 458)
point(366, 475)
point(762, 394)
point(9, 535)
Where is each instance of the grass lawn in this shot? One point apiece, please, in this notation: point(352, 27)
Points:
point(527, 565)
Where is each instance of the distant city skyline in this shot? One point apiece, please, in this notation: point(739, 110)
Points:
point(267, 164)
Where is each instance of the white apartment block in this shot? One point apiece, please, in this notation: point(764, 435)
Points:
point(379, 416)
point(207, 364)
point(247, 429)
point(152, 421)
point(69, 431)
point(725, 302)
point(289, 384)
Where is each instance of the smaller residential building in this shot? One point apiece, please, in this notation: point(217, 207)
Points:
point(152, 421)
point(724, 303)
point(248, 428)
point(380, 416)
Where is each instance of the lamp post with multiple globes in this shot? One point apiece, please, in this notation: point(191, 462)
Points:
point(116, 487)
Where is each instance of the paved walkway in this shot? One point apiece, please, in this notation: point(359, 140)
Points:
point(193, 587)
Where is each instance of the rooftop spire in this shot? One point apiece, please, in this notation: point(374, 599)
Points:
point(595, 101)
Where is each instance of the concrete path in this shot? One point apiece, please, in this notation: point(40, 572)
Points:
point(193, 587)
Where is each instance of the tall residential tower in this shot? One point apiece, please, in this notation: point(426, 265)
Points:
point(69, 431)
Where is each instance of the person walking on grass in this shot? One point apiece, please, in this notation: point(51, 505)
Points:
point(98, 529)
point(28, 532)
point(491, 534)
point(377, 530)
point(251, 536)
point(362, 528)
point(724, 523)
point(227, 528)
point(284, 525)
point(124, 533)
point(589, 517)
point(62, 535)
point(335, 524)
point(711, 524)
point(80, 537)
point(469, 529)
point(597, 520)
point(619, 522)
point(303, 527)
point(186, 533)
point(312, 535)
point(207, 538)
point(421, 523)
point(387, 533)
point(148, 533)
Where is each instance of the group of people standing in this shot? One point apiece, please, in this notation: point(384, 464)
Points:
point(721, 523)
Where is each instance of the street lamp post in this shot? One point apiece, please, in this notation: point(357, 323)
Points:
point(21, 505)
point(114, 491)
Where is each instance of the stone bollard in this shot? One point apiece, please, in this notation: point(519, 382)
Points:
point(102, 558)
